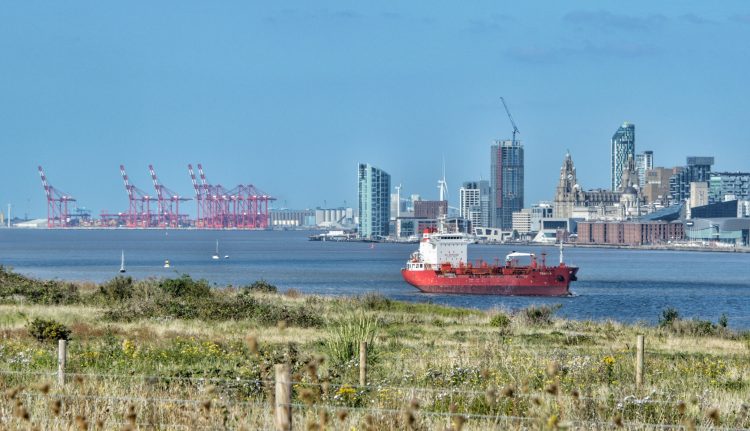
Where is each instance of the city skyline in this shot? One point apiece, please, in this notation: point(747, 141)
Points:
point(232, 86)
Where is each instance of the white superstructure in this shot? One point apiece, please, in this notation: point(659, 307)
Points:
point(439, 248)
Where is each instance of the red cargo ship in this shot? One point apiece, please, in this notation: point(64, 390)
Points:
point(440, 266)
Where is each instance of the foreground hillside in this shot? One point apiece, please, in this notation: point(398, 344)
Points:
point(177, 354)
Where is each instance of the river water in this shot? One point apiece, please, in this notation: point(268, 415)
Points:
point(623, 285)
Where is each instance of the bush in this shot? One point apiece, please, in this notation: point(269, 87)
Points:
point(185, 287)
point(118, 289)
point(540, 314)
point(723, 320)
point(49, 292)
point(500, 320)
point(48, 330)
point(668, 315)
point(260, 286)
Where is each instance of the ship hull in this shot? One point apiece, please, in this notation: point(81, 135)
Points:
point(553, 281)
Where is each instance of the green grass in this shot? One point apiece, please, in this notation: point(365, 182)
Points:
point(549, 371)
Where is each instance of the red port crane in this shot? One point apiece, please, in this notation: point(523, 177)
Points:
point(57, 203)
point(139, 204)
point(168, 204)
point(243, 207)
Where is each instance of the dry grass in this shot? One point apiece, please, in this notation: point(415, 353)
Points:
point(429, 366)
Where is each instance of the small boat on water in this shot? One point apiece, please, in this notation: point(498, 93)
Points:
point(166, 263)
point(216, 255)
point(122, 262)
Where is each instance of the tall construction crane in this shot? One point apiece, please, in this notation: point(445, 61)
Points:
point(513, 123)
point(168, 203)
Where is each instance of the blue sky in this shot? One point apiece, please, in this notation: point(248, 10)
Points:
point(290, 96)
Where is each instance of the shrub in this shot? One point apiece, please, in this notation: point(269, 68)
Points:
point(48, 330)
point(500, 320)
point(723, 320)
point(118, 289)
point(260, 286)
point(185, 287)
point(49, 292)
point(376, 301)
point(540, 314)
point(668, 315)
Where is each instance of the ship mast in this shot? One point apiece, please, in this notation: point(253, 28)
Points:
point(561, 252)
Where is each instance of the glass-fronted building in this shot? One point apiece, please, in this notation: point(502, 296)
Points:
point(374, 202)
point(698, 169)
point(729, 185)
point(474, 202)
point(506, 170)
point(623, 148)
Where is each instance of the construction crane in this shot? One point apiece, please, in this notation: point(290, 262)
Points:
point(510, 117)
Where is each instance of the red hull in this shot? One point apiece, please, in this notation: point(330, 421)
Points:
point(549, 281)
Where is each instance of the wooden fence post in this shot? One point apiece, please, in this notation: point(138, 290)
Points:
point(363, 363)
point(62, 354)
point(283, 403)
point(639, 362)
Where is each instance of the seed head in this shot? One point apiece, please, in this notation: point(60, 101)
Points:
point(508, 392)
point(342, 414)
point(617, 421)
point(252, 344)
point(55, 407)
point(713, 414)
point(552, 369)
point(414, 404)
point(681, 407)
point(551, 389)
point(81, 423)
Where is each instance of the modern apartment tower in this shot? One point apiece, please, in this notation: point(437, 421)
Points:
point(623, 147)
point(506, 171)
point(474, 202)
point(374, 201)
point(698, 169)
point(643, 162)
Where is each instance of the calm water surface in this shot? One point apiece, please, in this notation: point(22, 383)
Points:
point(625, 285)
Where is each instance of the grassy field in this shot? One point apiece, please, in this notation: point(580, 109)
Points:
point(177, 354)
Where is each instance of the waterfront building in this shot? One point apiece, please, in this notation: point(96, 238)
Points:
point(728, 186)
point(623, 147)
point(374, 187)
point(474, 202)
point(507, 182)
point(698, 169)
point(334, 217)
point(522, 222)
point(430, 209)
point(290, 218)
point(571, 200)
point(629, 232)
point(643, 163)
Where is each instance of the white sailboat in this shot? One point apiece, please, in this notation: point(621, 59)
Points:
point(122, 262)
point(166, 263)
point(216, 255)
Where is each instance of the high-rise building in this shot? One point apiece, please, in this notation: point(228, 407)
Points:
point(374, 201)
point(698, 169)
point(643, 162)
point(623, 147)
point(725, 186)
point(474, 202)
point(506, 170)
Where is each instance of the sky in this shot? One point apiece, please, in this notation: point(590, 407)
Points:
point(291, 96)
